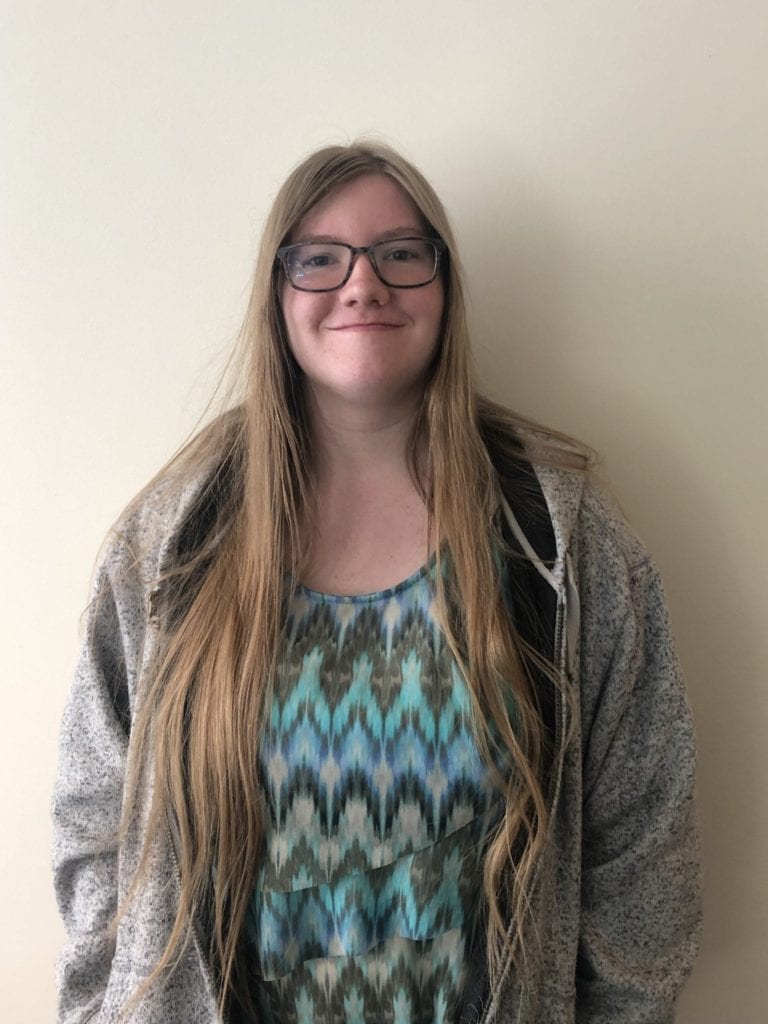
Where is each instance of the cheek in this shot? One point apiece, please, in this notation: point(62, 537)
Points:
point(293, 331)
point(302, 314)
point(433, 312)
point(288, 306)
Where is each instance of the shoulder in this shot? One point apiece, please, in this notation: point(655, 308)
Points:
point(544, 473)
point(620, 594)
point(178, 506)
point(620, 587)
point(127, 591)
point(141, 541)
point(590, 525)
point(628, 659)
point(155, 539)
point(603, 528)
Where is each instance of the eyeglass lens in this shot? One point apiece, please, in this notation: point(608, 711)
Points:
point(400, 262)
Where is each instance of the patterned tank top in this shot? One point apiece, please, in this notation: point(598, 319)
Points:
point(379, 806)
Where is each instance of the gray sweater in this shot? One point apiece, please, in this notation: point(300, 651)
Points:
point(617, 897)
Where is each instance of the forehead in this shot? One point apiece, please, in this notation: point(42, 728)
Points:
point(359, 210)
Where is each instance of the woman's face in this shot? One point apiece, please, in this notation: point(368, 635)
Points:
point(365, 343)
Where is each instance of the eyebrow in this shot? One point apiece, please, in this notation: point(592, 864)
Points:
point(406, 231)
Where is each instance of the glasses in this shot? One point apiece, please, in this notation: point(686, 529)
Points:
point(326, 266)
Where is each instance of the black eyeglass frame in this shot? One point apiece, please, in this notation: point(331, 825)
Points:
point(358, 250)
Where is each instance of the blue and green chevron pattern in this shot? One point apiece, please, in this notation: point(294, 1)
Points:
point(379, 806)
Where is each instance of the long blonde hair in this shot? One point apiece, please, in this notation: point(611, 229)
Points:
point(206, 698)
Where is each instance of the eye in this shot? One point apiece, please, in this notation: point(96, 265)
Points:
point(312, 258)
point(401, 255)
point(403, 250)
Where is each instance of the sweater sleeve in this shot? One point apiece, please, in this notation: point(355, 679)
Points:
point(87, 803)
point(641, 902)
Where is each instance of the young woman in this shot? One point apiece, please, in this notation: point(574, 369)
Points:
point(378, 716)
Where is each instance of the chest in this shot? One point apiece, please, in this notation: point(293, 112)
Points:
point(378, 808)
point(364, 546)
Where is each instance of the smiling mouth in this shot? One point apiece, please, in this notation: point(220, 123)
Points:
point(375, 325)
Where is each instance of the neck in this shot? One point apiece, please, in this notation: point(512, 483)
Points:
point(356, 440)
point(368, 527)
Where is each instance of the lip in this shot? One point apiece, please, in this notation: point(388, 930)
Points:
point(367, 325)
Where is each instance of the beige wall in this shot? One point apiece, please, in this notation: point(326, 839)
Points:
point(605, 164)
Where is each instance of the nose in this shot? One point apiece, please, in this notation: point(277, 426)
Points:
point(363, 284)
